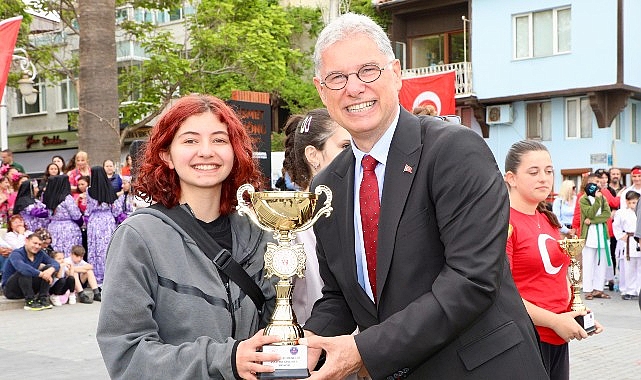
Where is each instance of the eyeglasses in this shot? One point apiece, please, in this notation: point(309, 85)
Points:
point(367, 74)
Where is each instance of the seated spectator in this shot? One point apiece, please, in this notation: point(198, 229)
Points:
point(5, 250)
point(28, 274)
point(45, 236)
point(83, 273)
point(64, 283)
point(17, 232)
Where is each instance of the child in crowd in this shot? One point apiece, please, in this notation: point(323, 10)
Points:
point(83, 273)
point(64, 283)
point(125, 201)
point(595, 212)
point(81, 201)
point(627, 249)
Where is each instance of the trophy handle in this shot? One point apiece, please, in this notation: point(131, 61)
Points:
point(325, 210)
point(243, 207)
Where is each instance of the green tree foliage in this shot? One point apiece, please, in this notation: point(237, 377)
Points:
point(229, 45)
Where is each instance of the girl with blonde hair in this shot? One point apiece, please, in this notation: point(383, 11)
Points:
point(563, 207)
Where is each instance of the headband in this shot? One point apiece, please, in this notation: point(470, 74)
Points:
point(636, 171)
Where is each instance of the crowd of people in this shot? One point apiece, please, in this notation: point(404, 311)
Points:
point(58, 228)
point(603, 212)
point(404, 279)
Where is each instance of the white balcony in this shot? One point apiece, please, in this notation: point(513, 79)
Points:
point(463, 75)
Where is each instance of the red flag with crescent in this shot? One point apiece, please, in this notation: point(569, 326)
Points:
point(436, 90)
point(9, 29)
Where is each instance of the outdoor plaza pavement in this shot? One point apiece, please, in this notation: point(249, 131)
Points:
point(61, 343)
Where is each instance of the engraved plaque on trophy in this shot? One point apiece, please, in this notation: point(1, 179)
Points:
point(573, 248)
point(284, 213)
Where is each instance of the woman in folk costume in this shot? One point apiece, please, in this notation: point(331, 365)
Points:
point(63, 223)
point(101, 219)
point(595, 213)
point(32, 210)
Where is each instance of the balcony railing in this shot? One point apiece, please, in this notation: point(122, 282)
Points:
point(463, 75)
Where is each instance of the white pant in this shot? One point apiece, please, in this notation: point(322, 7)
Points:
point(632, 272)
point(594, 269)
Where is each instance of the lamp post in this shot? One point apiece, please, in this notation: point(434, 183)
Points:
point(25, 85)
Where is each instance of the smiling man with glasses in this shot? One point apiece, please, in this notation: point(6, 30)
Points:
point(414, 252)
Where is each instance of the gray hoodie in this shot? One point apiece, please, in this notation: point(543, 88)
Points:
point(164, 312)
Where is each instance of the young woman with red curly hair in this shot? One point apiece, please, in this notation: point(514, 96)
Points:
point(167, 312)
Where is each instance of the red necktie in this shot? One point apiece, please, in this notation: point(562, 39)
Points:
point(370, 207)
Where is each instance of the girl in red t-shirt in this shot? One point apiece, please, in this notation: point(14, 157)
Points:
point(539, 266)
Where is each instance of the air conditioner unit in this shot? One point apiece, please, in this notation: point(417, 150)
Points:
point(500, 114)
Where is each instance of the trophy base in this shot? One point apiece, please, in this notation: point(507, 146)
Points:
point(587, 322)
point(301, 373)
point(292, 363)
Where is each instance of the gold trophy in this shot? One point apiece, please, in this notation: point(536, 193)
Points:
point(573, 248)
point(284, 213)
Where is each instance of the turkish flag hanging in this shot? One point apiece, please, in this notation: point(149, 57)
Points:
point(436, 90)
point(8, 35)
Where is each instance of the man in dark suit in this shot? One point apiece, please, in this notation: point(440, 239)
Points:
point(436, 300)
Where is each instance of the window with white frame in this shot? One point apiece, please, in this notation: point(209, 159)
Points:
point(542, 33)
point(539, 120)
point(40, 106)
point(634, 125)
point(615, 126)
point(578, 118)
point(67, 96)
point(175, 14)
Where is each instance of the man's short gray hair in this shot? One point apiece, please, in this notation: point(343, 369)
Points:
point(344, 27)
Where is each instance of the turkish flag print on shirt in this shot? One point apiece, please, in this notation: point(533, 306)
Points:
point(8, 34)
point(437, 90)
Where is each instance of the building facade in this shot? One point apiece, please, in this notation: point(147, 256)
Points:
point(562, 72)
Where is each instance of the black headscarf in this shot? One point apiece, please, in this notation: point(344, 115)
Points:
point(100, 188)
point(57, 190)
point(24, 197)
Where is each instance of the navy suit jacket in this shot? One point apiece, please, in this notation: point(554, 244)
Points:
point(447, 304)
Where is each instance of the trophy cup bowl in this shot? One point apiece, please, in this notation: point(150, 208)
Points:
point(284, 213)
point(284, 210)
point(573, 248)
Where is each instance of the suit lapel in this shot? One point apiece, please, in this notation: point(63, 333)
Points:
point(402, 164)
point(343, 205)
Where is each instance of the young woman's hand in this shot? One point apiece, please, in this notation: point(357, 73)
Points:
point(249, 360)
point(568, 328)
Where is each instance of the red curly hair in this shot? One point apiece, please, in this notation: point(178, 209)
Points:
point(156, 181)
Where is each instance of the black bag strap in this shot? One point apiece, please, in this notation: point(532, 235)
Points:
point(222, 260)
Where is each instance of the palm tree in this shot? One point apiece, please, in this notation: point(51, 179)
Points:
point(99, 126)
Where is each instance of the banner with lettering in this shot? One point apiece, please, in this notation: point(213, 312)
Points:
point(436, 90)
point(8, 35)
